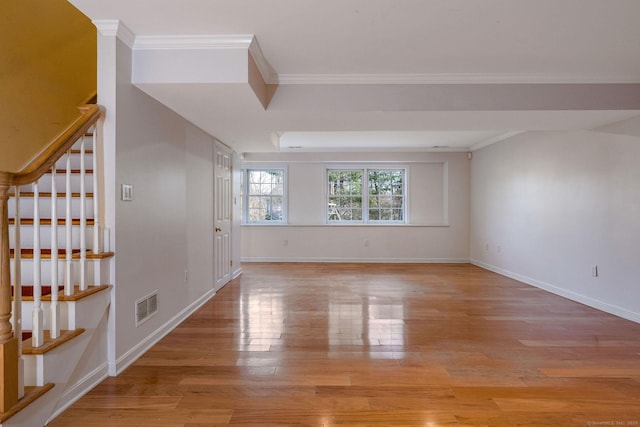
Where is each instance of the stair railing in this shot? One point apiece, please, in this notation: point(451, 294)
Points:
point(11, 365)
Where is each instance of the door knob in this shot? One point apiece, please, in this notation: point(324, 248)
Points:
point(218, 229)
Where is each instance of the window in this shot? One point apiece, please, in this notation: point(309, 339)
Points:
point(383, 200)
point(386, 195)
point(264, 196)
point(345, 195)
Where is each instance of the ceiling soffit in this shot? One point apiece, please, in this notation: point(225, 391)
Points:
point(238, 61)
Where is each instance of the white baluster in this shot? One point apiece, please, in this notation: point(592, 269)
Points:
point(17, 292)
point(68, 278)
point(97, 225)
point(55, 307)
point(37, 338)
point(83, 220)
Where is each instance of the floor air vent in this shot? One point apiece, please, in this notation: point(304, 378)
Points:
point(146, 307)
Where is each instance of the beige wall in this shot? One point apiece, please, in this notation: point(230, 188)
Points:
point(47, 69)
point(549, 206)
point(438, 212)
point(167, 229)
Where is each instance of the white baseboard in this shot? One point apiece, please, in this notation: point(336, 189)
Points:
point(583, 299)
point(364, 260)
point(237, 272)
point(79, 389)
point(138, 350)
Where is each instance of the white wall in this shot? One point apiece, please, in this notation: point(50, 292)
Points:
point(548, 206)
point(167, 228)
point(438, 211)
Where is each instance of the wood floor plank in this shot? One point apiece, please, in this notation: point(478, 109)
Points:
point(378, 345)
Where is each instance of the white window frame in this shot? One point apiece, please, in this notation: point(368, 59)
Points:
point(245, 194)
point(366, 168)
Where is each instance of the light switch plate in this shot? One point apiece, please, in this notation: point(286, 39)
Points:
point(127, 192)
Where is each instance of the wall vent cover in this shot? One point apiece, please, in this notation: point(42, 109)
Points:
point(146, 307)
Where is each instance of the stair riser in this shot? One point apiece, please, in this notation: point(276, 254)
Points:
point(44, 208)
point(27, 315)
point(57, 365)
point(45, 183)
point(75, 161)
point(26, 237)
point(97, 271)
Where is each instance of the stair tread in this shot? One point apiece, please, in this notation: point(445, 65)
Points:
point(75, 254)
point(76, 296)
point(47, 221)
point(49, 343)
point(73, 171)
point(61, 195)
point(31, 394)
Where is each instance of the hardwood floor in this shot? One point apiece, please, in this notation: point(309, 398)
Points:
point(377, 345)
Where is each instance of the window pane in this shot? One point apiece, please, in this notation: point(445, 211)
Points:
point(386, 200)
point(344, 195)
point(265, 199)
point(384, 197)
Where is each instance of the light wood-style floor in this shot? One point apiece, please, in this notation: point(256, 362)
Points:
point(379, 345)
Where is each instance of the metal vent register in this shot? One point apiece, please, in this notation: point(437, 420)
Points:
point(146, 307)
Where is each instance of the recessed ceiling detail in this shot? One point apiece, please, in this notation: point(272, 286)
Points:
point(459, 74)
point(211, 60)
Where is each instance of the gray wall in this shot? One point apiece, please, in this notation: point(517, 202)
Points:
point(547, 207)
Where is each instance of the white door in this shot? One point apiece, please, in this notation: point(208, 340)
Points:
point(222, 211)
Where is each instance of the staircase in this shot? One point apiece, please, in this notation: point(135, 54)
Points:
point(58, 262)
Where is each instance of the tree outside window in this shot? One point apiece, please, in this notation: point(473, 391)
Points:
point(345, 195)
point(265, 195)
point(384, 197)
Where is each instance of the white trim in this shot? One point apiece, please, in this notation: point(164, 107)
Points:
point(188, 42)
point(138, 350)
point(450, 78)
point(195, 42)
point(583, 299)
point(285, 196)
point(366, 168)
point(115, 28)
point(363, 260)
point(79, 389)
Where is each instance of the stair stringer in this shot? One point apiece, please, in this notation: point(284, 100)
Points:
point(74, 367)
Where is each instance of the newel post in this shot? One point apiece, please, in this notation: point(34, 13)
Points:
point(8, 343)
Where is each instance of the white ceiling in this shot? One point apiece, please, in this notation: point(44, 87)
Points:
point(402, 74)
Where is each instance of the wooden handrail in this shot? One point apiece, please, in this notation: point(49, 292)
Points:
point(42, 163)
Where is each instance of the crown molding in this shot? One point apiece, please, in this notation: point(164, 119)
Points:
point(451, 78)
point(194, 42)
point(115, 28)
point(187, 42)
